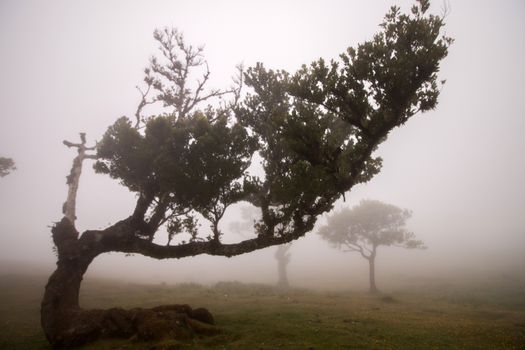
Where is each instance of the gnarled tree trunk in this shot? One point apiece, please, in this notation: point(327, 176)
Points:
point(60, 307)
point(65, 324)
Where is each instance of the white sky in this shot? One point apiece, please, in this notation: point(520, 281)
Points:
point(72, 66)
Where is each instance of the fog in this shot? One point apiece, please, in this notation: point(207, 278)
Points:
point(70, 67)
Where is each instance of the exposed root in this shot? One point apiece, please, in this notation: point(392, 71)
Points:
point(176, 322)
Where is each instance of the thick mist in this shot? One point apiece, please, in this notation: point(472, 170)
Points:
point(71, 67)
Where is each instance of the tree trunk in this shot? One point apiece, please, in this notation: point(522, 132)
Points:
point(60, 308)
point(60, 305)
point(371, 263)
point(283, 276)
point(283, 259)
point(65, 324)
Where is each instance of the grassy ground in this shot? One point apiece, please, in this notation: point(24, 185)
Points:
point(261, 317)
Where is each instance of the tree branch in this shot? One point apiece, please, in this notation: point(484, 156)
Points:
point(353, 247)
point(125, 237)
point(143, 103)
point(73, 179)
point(158, 216)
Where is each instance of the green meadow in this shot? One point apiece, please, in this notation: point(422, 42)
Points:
point(253, 316)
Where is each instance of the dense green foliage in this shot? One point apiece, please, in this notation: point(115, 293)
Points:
point(314, 131)
point(186, 163)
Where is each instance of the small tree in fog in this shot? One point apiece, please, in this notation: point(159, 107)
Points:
point(367, 226)
point(314, 131)
point(283, 256)
point(249, 216)
point(6, 166)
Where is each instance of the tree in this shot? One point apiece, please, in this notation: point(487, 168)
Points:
point(367, 226)
point(283, 256)
point(249, 215)
point(315, 131)
point(6, 166)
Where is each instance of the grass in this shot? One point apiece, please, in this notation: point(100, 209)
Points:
point(262, 317)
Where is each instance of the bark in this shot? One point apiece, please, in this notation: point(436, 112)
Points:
point(73, 179)
point(60, 305)
point(66, 324)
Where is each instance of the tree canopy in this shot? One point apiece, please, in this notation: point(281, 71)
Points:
point(315, 131)
point(367, 225)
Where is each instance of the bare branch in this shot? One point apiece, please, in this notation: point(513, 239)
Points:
point(446, 9)
point(238, 83)
point(69, 207)
point(71, 144)
point(354, 247)
point(171, 77)
point(143, 103)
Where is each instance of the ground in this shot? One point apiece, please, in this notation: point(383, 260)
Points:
point(262, 317)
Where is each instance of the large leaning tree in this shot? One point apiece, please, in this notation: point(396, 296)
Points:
point(366, 227)
point(315, 132)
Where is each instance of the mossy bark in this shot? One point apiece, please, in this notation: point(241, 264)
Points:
point(66, 324)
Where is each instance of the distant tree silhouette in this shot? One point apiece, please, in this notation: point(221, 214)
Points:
point(7, 165)
point(250, 215)
point(367, 226)
point(283, 256)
